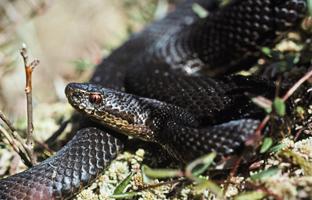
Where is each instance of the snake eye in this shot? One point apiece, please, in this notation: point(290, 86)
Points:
point(95, 98)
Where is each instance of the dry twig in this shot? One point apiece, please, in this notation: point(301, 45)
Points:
point(15, 147)
point(29, 69)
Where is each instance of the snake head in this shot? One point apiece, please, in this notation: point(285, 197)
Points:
point(84, 97)
point(113, 109)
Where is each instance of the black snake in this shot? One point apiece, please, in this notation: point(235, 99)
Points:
point(188, 115)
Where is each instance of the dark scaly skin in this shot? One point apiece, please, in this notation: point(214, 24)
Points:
point(73, 167)
point(209, 99)
point(159, 45)
point(228, 40)
point(180, 130)
point(111, 73)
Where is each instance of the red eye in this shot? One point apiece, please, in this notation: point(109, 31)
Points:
point(95, 98)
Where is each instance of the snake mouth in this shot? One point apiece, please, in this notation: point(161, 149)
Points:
point(76, 94)
point(72, 94)
point(69, 90)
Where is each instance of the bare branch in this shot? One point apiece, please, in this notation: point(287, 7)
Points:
point(29, 67)
point(297, 84)
point(15, 147)
point(8, 137)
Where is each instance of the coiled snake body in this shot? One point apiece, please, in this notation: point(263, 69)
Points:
point(188, 115)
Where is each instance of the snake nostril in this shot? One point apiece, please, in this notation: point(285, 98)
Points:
point(69, 89)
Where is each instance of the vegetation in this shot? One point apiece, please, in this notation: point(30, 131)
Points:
point(284, 174)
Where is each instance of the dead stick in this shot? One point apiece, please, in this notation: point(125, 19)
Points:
point(297, 84)
point(8, 137)
point(7, 121)
point(15, 147)
point(29, 69)
point(17, 137)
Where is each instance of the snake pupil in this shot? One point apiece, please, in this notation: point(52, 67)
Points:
point(95, 98)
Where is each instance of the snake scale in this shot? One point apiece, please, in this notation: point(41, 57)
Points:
point(167, 99)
